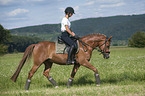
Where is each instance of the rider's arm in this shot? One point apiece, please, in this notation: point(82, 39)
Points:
point(69, 31)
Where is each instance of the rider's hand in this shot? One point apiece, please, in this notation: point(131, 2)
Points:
point(73, 34)
point(76, 36)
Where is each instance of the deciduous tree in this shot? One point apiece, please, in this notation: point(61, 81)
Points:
point(137, 40)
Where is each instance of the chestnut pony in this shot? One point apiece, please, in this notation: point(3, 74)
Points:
point(44, 52)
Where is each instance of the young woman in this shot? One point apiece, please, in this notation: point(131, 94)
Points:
point(66, 32)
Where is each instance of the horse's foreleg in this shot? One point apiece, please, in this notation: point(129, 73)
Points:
point(90, 66)
point(75, 68)
point(48, 66)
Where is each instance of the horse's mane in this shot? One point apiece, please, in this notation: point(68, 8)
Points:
point(93, 34)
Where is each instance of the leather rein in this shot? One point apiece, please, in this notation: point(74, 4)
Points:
point(84, 45)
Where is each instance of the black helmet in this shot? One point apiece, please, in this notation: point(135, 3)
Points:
point(69, 10)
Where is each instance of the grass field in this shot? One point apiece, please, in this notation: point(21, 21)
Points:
point(123, 74)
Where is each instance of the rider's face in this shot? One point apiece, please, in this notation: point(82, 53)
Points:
point(70, 14)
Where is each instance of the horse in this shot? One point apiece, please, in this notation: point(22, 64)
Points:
point(44, 53)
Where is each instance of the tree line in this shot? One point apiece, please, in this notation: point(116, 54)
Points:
point(10, 43)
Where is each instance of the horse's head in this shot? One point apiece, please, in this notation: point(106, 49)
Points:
point(104, 46)
point(97, 40)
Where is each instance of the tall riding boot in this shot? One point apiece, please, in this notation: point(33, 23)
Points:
point(70, 52)
point(73, 56)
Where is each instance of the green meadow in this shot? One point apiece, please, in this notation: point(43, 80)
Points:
point(123, 74)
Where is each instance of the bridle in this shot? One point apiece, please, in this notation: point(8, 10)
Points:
point(102, 51)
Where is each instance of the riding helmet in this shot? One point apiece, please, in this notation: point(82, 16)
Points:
point(69, 10)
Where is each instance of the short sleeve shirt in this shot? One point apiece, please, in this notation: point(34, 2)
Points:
point(64, 22)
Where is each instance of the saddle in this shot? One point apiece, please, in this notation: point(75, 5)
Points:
point(62, 48)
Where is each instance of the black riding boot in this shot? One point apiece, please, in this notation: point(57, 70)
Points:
point(73, 56)
point(70, 52)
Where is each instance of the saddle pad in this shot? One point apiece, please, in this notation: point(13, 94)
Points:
point(60, 48)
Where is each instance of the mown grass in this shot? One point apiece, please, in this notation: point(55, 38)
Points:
point(122, 74)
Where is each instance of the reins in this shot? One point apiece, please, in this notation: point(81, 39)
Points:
point(85, 45)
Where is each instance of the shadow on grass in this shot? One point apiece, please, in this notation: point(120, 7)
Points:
point(84, 80)
point(87, 80)
point(109, 81)
point(124, 77)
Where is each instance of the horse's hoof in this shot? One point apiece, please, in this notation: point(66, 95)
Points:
point(56, 86)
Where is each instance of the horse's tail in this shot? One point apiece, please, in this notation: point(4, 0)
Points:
point(27, 55)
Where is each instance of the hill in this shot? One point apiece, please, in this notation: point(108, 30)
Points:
point(120, 27)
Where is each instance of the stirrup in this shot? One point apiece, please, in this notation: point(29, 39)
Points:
point(74, 62)
point(71, 62)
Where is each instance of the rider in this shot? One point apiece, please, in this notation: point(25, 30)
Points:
point(66, 32)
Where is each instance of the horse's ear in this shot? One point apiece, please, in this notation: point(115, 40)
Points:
point(109, 39)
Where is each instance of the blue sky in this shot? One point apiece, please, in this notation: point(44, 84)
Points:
point(21, 13)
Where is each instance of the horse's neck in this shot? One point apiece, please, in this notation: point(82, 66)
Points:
point(88, 43)
point(93, 42)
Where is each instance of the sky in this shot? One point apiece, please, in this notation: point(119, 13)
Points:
point(22, 13)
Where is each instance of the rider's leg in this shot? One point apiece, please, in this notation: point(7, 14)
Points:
point(73, 58)
point(70, 58)
point(65, 37)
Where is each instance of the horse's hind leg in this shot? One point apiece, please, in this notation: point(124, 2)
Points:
point(48, 66)
point(31, 73)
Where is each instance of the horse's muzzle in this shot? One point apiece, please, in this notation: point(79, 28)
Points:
point(106, 56)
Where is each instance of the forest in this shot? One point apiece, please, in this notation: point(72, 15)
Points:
point(10, 43)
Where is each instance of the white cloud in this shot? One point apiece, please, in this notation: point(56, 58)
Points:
point(36, 0)
point(89, 3)
point(113, 5)
point(108, 1)
point(5, 2)
point(17, 12)
point(11, 2)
